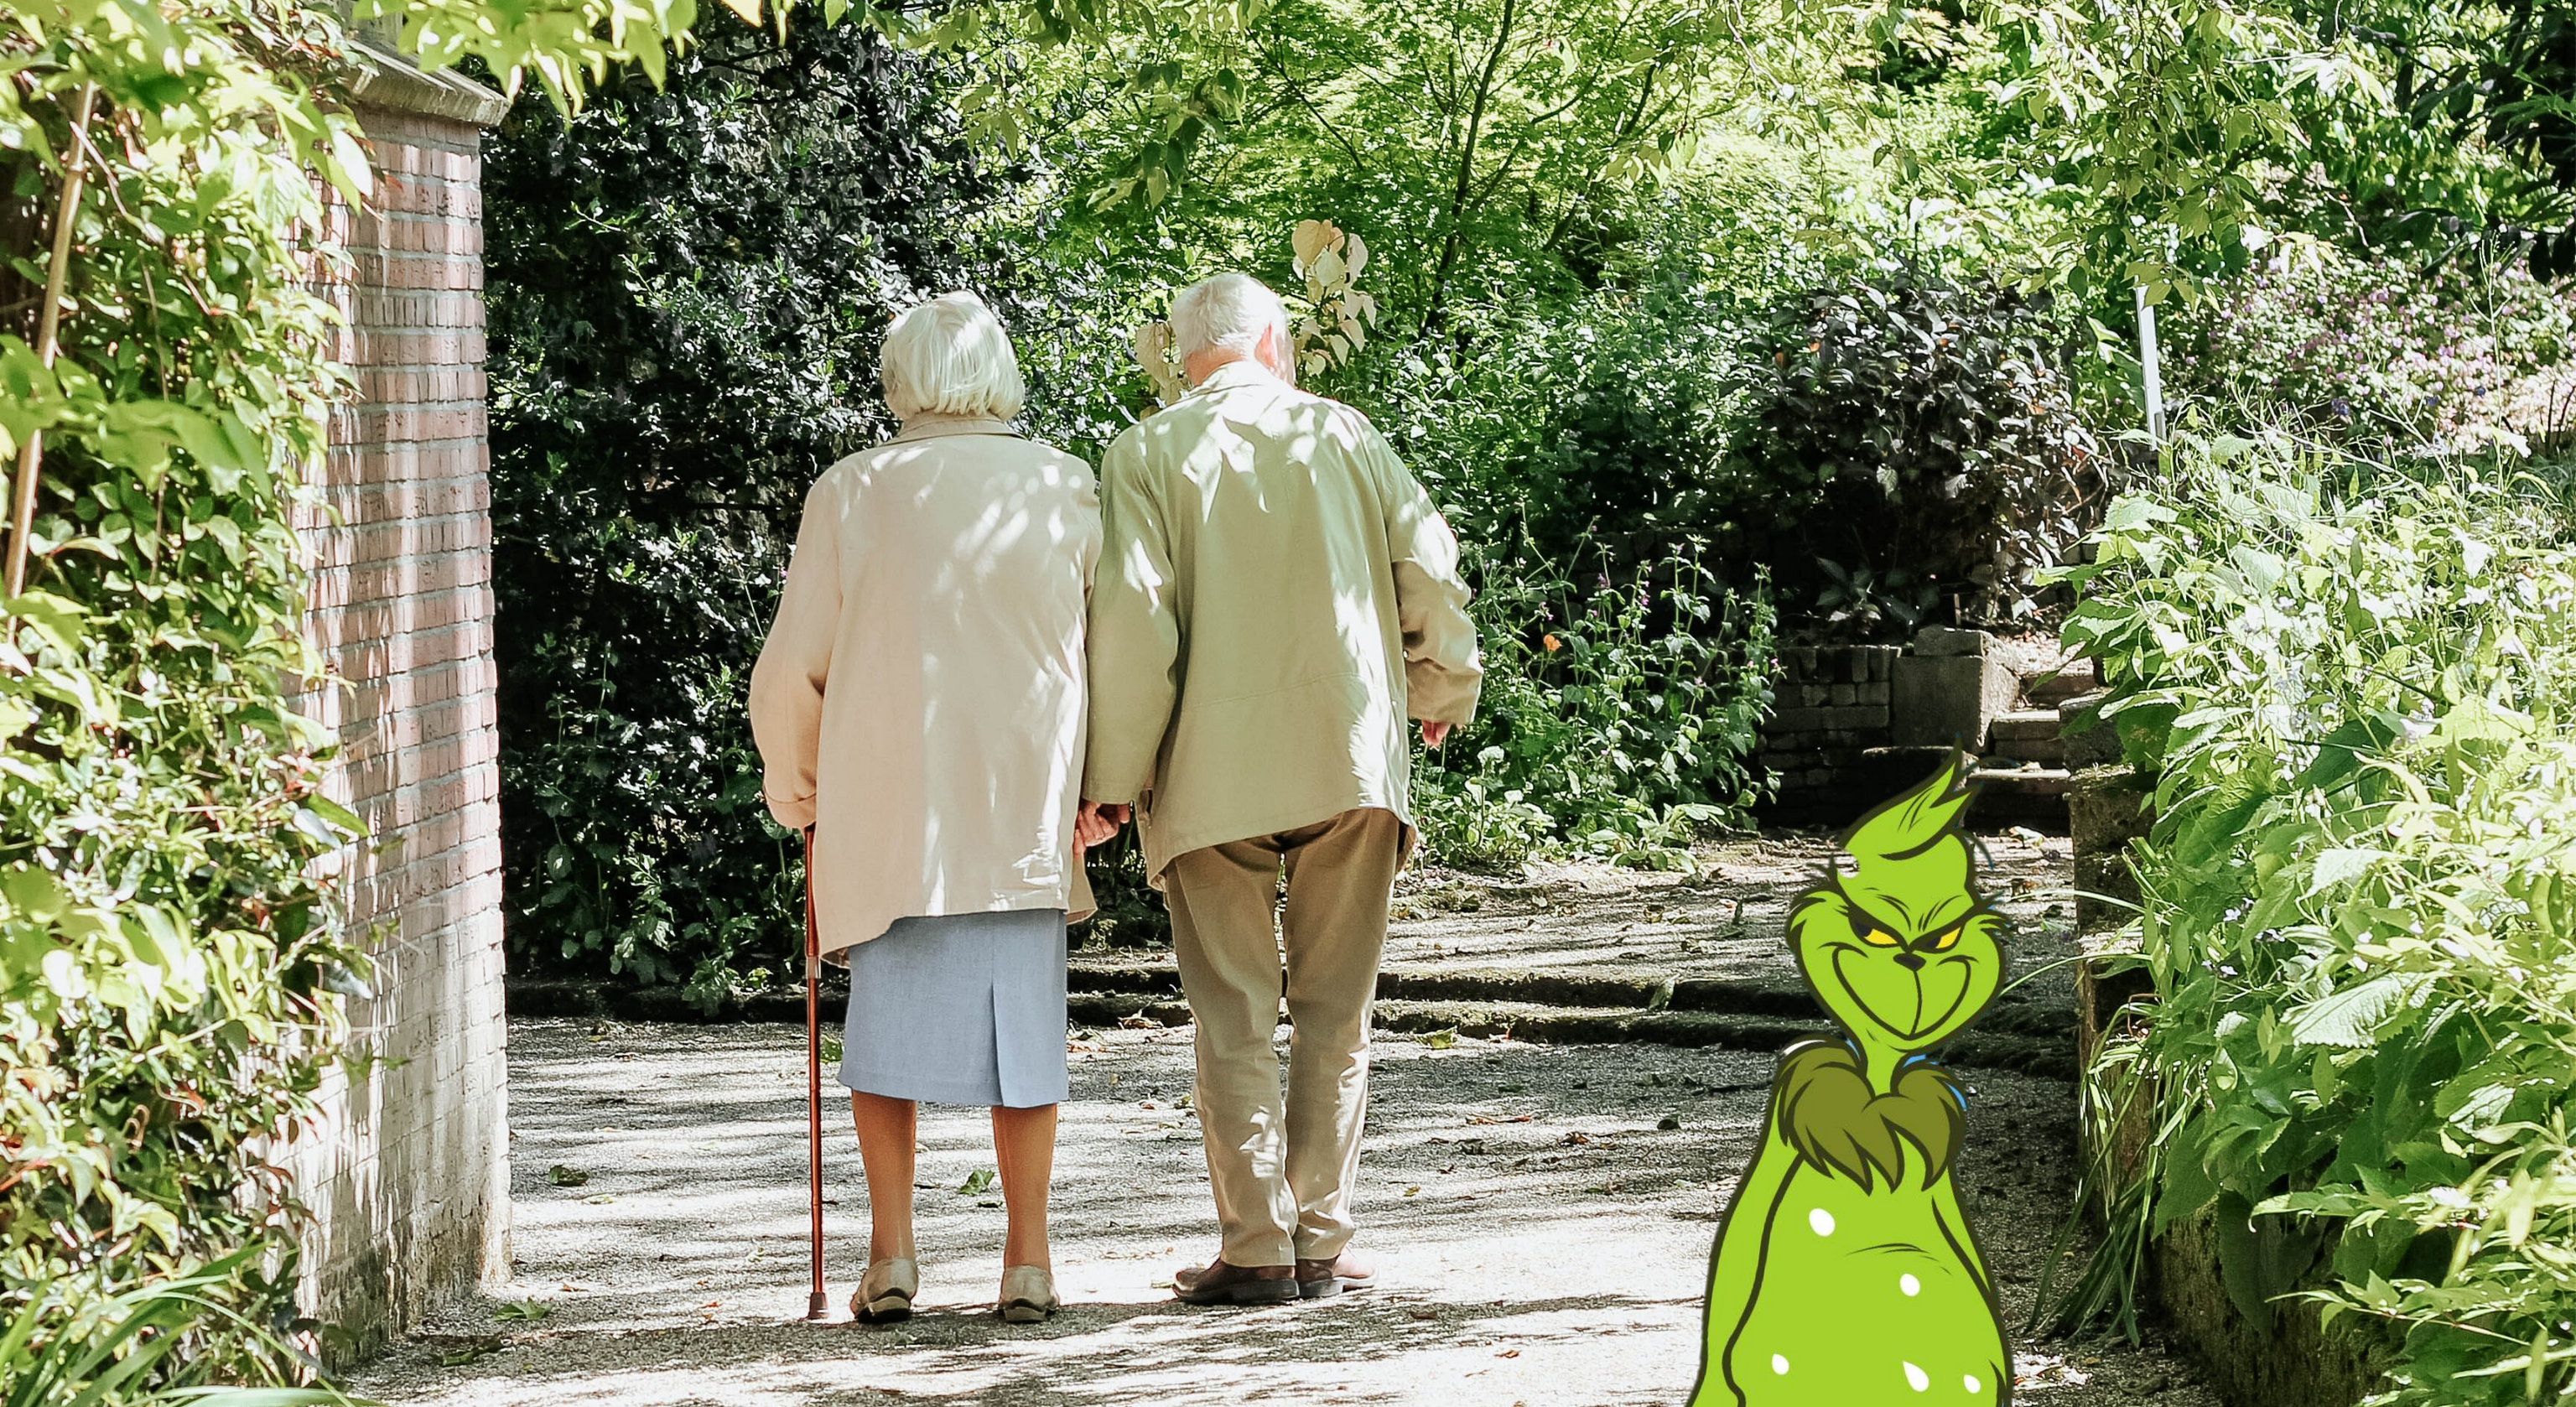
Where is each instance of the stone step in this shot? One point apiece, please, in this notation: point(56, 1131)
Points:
point(2027, 735)
point(2048, 691)
point(2090, 741)
point(2024, 781)
point(2026, 725)
point(1583, 989)
point(2027, 1037)
point(2029, 795)
point(2048, 752)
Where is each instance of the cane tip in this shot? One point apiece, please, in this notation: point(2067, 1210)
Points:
point(818, 1306)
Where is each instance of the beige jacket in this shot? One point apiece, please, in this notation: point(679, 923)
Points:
point(920, 700)
point(1278, 595)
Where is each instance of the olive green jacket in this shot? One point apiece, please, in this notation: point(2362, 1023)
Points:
point(1276, 597)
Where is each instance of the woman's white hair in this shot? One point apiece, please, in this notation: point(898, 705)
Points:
point(1231, 311)
point(950, 356)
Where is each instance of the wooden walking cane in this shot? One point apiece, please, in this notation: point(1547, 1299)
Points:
point(819, 1304)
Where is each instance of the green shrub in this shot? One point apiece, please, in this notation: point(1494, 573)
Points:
point(1615, 721)
point(1925, 436)
point(2357, 690)
point(687, 286)
point(1885, 443)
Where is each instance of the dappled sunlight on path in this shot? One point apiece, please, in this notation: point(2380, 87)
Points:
point(1541, 1216)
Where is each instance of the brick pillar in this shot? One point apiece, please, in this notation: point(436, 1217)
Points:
point(409, 1171)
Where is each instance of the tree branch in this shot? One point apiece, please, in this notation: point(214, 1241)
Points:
point(1467, 166)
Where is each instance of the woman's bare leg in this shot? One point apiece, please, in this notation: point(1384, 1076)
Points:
point(888, 1133)
point(1024, 1144)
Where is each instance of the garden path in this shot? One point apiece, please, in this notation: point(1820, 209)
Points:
point(1542, 1235)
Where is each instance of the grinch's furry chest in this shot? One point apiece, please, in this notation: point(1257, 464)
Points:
point(1863, 1297)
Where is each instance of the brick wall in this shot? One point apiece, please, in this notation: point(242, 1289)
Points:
point(409, 1173)
point(1829, 709)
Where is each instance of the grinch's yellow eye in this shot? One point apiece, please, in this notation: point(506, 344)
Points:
point(1879, 938)
point(1949, 939)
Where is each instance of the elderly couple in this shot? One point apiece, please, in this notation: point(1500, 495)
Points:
point(982, 665)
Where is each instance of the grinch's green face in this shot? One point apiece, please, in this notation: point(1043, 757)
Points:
point(1893, 979)
point(1899, 947)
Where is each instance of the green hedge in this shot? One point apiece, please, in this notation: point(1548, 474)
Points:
point(688, 281)
point(2356, 688)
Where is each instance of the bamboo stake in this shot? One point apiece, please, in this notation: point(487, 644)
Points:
point(49, 326)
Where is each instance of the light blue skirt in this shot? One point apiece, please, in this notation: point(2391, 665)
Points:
point(960, 1009)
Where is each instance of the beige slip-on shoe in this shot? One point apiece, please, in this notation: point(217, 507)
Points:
point(1028, 1295)
point(886, 1291)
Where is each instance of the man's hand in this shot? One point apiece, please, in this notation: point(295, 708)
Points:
point(1433, 733)
point(1094, 824)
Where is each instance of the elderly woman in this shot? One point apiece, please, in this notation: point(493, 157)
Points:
point(920, 705)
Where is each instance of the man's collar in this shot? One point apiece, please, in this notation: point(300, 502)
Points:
point(1235, 375)
point(932, 426)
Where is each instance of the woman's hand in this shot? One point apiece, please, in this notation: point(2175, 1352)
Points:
point(1094, 824)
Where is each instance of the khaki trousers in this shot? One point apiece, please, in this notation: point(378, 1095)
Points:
point(1282, 1169)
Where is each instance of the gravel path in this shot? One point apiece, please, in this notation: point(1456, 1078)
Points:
point(1543, 1241)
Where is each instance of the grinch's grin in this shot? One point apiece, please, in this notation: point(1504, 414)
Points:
point(1925, 1027)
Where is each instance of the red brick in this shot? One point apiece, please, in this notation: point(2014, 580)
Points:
point(340, 586)
point(336, 627)
point(369, 662)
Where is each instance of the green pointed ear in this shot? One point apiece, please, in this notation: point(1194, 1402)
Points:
point(1910, 859)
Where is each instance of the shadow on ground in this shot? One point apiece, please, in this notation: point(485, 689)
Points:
point(1542, 1232)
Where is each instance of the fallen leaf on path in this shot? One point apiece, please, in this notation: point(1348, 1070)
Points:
point(1509, 1353)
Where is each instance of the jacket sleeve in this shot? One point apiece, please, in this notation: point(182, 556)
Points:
point(787, 683)
point(1135, 639)
point(1443, 669)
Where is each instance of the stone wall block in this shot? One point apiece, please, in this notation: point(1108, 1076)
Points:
point(1948, 700)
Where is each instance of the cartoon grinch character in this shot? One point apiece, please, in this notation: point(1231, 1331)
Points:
point(1845, 1274)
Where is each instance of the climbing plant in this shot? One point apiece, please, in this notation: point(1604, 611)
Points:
point(171, 969)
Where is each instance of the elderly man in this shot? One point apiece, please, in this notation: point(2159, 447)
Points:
point(1276, 595)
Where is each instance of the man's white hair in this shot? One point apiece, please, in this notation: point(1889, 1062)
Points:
point(1231, 311)
point(949, 356)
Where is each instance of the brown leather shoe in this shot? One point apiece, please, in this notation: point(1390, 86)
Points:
point(1321, 1279)
point(1220, 1283)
